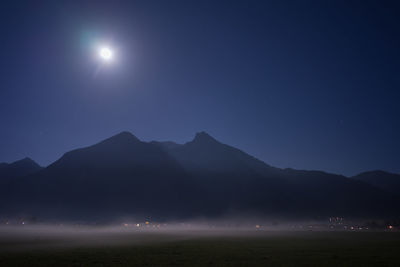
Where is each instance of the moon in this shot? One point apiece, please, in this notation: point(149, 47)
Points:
point(106, 54)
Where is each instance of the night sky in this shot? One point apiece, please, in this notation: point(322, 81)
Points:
point(306, 84)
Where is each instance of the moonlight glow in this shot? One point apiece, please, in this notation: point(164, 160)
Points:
point(106, 53)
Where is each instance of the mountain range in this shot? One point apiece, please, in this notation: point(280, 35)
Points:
point(124, 176)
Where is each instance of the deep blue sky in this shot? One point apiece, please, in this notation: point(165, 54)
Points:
point(306, 84)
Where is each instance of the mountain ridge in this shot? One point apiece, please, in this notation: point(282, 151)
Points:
point(18, 168)
point(122, 175)
point(382, 179)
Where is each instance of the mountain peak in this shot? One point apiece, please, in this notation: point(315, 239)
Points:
point(124, 136)
point(19, 168)
point(203, 137)
point(27, 161)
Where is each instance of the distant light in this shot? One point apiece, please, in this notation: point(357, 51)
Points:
point(106, 53)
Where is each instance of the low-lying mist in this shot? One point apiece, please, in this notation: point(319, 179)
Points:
point(45, 236)
point(21, 235)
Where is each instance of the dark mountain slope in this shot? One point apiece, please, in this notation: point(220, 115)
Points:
point(230, 180)
point(324, 193)
point(13, 173)
point(384, 180)
point(120, 175)
point(18, 168)
point(204, 153)
point(250, 184)
point(123, 176)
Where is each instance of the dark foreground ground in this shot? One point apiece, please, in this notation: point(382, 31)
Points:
point(198, 248)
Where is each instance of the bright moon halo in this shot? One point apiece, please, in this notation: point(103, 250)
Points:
point(106, 53)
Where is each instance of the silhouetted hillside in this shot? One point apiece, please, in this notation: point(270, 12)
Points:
point(120, 175)
point(123, 176)
point(384, 180)
point(204, 153)
point(18, 168)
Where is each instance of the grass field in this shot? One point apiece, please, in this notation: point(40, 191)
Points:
point(199, 248)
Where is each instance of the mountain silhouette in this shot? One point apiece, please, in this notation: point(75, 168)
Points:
point(18, 168)
point(116, 176)
point(384, 180)
point(204, 153)
point(124, 176)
